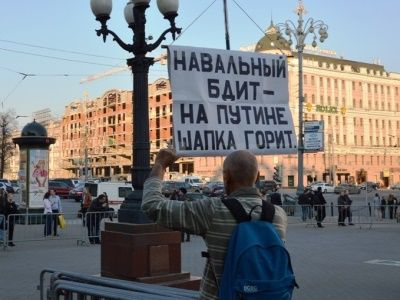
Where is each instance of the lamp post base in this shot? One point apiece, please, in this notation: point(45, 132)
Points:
point(130, 210)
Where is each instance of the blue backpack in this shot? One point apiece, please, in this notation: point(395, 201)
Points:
point(257, 264)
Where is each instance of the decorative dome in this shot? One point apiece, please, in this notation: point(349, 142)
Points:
point(34, 129)
point(270, 42)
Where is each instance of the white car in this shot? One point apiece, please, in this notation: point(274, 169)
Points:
point(325, 187)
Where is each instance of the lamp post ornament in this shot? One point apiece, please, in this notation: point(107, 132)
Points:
point(299, 32)
point(135, 16)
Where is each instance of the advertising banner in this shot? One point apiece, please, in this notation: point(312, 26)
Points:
point(38, 177)
point(230, 100)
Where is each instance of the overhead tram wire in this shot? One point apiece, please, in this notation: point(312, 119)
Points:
point(242, 9)
point(59, 50)
point(15, 87)
point(56, 57)
point(194, 21)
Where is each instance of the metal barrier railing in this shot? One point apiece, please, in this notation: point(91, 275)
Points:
point(68, 285)
point(84, 228)
point(334, 214)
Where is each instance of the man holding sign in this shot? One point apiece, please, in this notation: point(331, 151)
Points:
point(209, 218)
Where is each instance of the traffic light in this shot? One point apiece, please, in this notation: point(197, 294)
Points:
point(277, 177)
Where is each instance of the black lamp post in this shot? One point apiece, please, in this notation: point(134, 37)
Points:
point(136, 18)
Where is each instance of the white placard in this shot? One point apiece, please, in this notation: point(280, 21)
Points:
point(230, 100)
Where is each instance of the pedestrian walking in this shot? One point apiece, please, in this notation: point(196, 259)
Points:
point(93, 216)
point(3, 204)
point(47, 214)
point(305, 200)
point(182, 197)
point(86, 201)
point(11, 210)
point(377, 206)
point(349, 213)
point(383, 207)
point(319, 206)
point(391, 204)
point(341, 203)
point(56, 209)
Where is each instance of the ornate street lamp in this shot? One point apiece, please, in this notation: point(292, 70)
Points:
point(135, 16)
point(299, 33)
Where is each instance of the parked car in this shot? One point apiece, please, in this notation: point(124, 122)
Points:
point(60, 188)
point(169, 186)
point(368, 185)
point(195, 196)
point(395, 186)
point(266, 186)
point(214, 189)
point(353, 189)
point(16, 186)
point(67, 181)
point(6, 187)
point(325, 187)
point(77, 192)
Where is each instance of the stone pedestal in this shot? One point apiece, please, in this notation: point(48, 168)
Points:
point(146, 253)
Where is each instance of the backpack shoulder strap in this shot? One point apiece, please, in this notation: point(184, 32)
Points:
point(268, 211)
point(236, 209)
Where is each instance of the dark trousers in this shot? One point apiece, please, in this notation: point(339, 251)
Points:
point(55, 221)
point(349, 215)
point(93, 226)
point(321, 214)
point(383, 210)
point(47, 224)
point(342, 215)
point(11, 229)
point(391, 210)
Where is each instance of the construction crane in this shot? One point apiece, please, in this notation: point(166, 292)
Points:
point(162, 59)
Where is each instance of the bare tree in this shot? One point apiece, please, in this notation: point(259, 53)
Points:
point(7, 125)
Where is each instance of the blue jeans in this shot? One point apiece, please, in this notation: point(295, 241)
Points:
point(305, 210)
point(47, 224)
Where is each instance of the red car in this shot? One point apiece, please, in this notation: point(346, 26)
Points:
point(60, 188)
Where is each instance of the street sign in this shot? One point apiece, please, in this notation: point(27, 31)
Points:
point(313, 136)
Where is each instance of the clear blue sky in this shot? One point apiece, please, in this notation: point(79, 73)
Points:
point(361, 30)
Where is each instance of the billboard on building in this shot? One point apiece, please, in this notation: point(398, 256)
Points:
point(38, 177)
point(230, 100)
point(313, 136)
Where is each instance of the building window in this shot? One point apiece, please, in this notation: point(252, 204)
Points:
point(328, 83)
point(321, 82)
point(335, 84)
point(354, 102)
point(313, 98)
point(362, 140)
point(344, 140)
point(344, 101)
point(305, 79)
point(370, 140)
point(353, 85)
point(312, 80)
point(329, 100)
point(336, 101)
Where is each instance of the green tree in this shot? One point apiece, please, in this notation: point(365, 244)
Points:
point(7, 148)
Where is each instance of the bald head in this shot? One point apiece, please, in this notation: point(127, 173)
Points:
point(240, 169)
